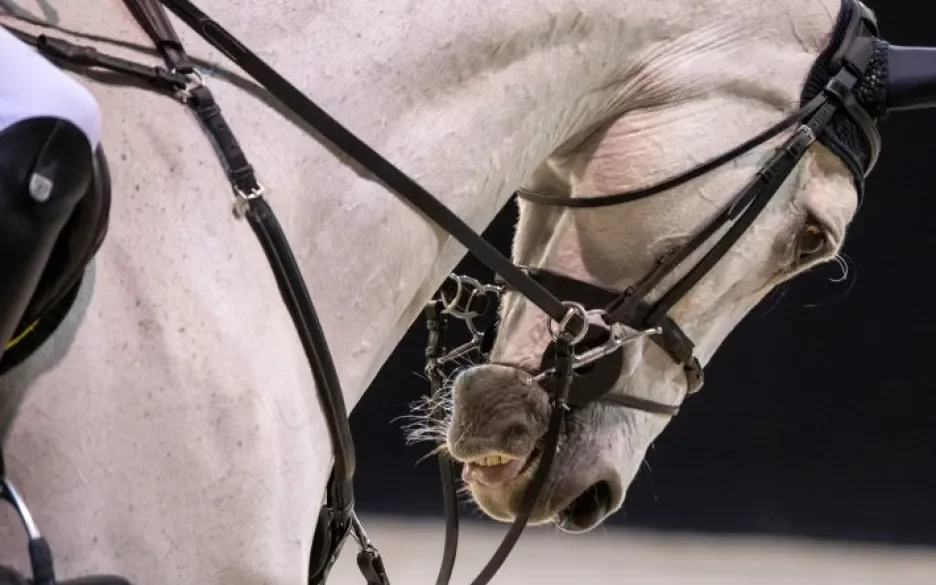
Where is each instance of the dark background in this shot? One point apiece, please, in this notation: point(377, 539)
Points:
point(818, 417)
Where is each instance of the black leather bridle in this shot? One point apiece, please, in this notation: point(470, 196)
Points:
point(630, 307)
point(567, 302)
point(859, 61)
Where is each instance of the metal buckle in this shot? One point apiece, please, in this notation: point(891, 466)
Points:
point(243, 200)
point(193, 80)
point(368, 559)
point(460, 307)
point(619, 338)
point(475, 288)
point(449, 305)
point(9, 493)
point(574, 309)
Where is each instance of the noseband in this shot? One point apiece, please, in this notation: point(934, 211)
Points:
point(852, 72)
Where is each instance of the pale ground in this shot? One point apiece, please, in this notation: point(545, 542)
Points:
point(412, 551)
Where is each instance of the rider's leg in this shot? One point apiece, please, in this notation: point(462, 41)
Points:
point(49, 128)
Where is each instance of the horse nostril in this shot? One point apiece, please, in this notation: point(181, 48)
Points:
point(588, 510)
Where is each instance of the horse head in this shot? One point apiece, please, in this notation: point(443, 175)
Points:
point(662, 261)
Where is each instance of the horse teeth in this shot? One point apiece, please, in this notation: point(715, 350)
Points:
point(491, 460)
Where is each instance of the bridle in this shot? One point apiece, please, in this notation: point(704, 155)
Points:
point(853, 67)
point(859, 58)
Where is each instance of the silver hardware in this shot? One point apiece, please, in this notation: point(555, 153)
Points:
point(810, 135)
point(476, 338)
point(574, 309)
point(242, 200)
point(12, 496)
point(460, 351)
point(40, 187)
point(474, 288)
point(357, 531)
point(193, 81)
point(449, 305)
point(619, 338)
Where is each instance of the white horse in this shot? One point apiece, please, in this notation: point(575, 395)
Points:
point(170, 431)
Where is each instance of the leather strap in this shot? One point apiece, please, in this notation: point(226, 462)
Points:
point(695, 172)
point(62, 51)
point(672, 340)
point(153, 18)
point(395, 179)
point(437, 326)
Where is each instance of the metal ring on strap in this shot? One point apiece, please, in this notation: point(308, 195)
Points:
point(574, 309)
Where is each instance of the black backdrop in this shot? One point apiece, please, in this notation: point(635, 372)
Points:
point(819, 413)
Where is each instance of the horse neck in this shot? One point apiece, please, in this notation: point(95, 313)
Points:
point(467, 100)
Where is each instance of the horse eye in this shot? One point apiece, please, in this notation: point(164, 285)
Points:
point(812, 242)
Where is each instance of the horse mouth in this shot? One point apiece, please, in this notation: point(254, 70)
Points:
point(497, 470)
